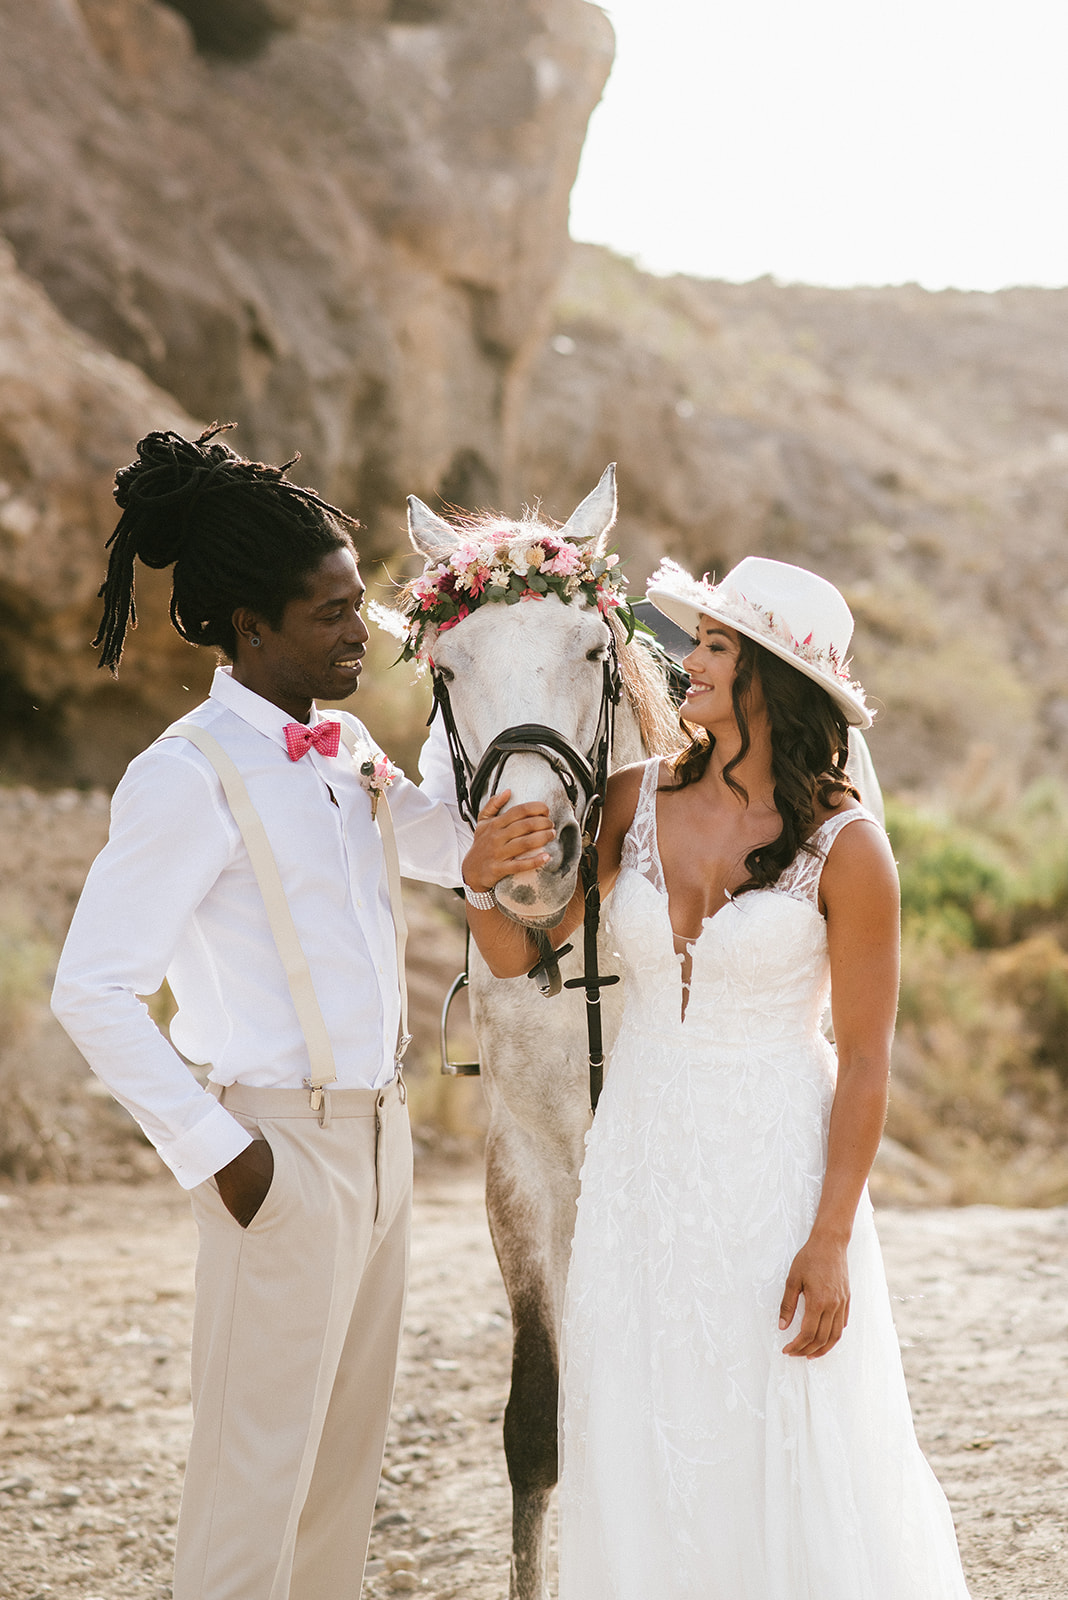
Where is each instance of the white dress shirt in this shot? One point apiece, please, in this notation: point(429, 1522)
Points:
point(173, 895)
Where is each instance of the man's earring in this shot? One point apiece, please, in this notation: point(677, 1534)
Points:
point(254, 640)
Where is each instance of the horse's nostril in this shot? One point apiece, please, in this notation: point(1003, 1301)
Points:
point(569, 841)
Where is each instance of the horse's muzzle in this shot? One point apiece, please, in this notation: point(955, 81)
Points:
point(539, 899)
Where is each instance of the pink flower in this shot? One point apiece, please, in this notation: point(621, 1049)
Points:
point(462, 612)
point(531, 594)
point(377, 774)
point(566, 561)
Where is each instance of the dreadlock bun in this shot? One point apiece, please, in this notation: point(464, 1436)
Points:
point(237, 533)
point(161, 488)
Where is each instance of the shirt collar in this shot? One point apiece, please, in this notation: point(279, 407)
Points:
point(261, 714)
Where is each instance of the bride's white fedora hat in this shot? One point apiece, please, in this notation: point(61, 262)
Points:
point(795, 614)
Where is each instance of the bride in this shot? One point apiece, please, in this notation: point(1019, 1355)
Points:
point(735, 1424)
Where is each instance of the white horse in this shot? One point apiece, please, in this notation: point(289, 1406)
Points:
point(538, 663)
point(541, 663)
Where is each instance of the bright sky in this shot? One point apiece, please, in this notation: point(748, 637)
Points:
point(834, 141)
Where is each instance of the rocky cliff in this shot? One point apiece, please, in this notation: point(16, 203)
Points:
point(337, 222)
point(911, 446)
point(342, 224)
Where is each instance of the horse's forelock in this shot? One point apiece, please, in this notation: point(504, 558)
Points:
point(490, 525)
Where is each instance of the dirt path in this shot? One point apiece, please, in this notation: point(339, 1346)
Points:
point(95, 1299)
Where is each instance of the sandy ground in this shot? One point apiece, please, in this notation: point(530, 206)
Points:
point(95, 1302)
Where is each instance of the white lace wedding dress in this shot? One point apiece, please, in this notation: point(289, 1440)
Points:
point(697, 1461)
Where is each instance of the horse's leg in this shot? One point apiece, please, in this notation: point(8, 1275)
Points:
point(531, 1207)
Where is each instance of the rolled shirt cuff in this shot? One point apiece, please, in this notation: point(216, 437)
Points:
point(204, 1149)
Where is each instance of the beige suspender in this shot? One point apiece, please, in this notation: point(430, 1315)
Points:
point(384, 817)
point(279, 916)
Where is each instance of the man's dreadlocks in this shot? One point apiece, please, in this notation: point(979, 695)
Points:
point(237, 533)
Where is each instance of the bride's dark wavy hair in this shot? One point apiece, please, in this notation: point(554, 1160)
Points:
point(809, 748)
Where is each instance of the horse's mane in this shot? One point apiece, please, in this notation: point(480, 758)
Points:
point(645, 686)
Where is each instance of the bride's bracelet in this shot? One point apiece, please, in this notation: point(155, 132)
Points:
point(481, 899)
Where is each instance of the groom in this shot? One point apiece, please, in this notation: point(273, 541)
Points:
point(301, 1193)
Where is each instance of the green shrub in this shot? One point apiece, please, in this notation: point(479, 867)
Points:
point(981, 1058)
point(953, 884)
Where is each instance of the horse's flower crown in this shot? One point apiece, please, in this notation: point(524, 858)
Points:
point(503, 565)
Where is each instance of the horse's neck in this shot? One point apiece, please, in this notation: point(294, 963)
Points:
point(627, 743)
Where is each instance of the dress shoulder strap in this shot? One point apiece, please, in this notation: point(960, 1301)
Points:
point(639, 847)
point(802, 877)
point(828, 831)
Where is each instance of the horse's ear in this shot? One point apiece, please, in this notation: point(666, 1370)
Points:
point(591, 521)
point(430, 534)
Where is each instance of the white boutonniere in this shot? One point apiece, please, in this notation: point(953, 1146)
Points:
point(376, 774)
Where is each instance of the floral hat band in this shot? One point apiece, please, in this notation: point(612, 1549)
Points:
point(790, 611)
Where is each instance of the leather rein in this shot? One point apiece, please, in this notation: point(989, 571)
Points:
point(583, 778)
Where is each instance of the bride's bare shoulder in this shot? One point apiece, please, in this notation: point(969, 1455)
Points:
point(622, 790)
point(842, 803)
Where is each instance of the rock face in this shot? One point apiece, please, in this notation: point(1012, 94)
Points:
point(911, 446)
point(342, 224)
point(336, 222)
point(339, 227)
point(68, 412)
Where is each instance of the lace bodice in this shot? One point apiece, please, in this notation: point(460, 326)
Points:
point(758, 970)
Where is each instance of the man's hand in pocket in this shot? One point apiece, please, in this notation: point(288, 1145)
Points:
point(244, 1181)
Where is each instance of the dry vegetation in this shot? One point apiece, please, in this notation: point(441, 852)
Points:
point(980, 1090)
point(981, 1059)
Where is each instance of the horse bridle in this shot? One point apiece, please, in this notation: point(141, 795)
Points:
point(581, 775)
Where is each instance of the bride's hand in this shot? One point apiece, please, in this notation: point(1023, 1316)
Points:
point(507, 841)
point(820, 1273)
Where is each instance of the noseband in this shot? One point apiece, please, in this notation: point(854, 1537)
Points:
point(580, 775)
point(583, 778)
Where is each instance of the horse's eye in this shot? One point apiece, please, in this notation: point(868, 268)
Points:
point(598, 653)
point(446, 674)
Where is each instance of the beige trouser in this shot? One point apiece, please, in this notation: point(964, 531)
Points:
point(295, 1339)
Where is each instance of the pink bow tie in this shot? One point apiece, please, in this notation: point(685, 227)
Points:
point(325, 736)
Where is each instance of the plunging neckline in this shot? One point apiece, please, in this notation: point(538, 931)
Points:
point(689, 946)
